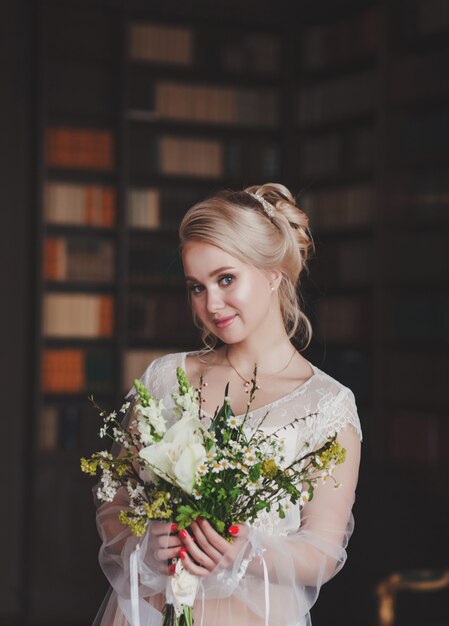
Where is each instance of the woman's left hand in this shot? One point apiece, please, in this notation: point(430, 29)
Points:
point(205, 548)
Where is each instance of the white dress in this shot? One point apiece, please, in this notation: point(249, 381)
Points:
point(290, 558)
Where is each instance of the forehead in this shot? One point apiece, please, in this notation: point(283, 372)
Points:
point(200, 258)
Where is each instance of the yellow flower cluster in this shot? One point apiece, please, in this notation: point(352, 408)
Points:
point(137, 523)
point(159, 507)
point(89, 466)
point(333, 454)
point(269, 468)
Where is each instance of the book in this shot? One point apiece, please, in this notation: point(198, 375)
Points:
point(78, 259)
point(157, 43)
point(337, 98)
point(339, 208)
point(77, 316)
point(77, 204)
point(143, 208)
point(80, 148)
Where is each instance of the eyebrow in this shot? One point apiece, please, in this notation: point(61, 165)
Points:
point(217, 271)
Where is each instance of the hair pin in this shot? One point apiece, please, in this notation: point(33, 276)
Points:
point(267, 207)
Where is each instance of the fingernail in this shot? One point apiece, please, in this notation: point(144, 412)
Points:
point(172, 569)
point(199, 520)
point(174, 527)
point(183, 534)
point(233, 530)
point(182, 553)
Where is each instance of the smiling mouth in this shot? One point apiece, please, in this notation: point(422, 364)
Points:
point(224, 321)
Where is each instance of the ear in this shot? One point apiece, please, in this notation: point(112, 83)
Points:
point(275, 277)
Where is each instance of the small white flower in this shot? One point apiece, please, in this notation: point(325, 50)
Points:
point(224, 464)
point(125, 407)
point(250, 456)
point(234, 422)
point(216, 467)
point(202, 469)
point(196, 494)
point(103, 432)
point(304, 497)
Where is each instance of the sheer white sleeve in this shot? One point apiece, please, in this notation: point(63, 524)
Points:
point(282, 564)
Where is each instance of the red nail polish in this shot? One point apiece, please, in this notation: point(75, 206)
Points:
point(233, 530)
point(182, 553)
point(174, 527)
point(199, 520)
point(172, 569)
point(183, 534)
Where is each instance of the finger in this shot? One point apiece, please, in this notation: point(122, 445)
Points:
point(200, 556)
point(192, 567)
point(164, 554)
point(163, 528)
point(213, 537)
point(204, 544)
point(168, 541)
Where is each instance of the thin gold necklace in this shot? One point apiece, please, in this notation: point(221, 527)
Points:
point(248, 382)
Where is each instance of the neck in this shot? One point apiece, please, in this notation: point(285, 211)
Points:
point(270, 357)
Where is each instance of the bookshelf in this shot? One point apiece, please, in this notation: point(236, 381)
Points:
point(337, 123)
point(143, 119)
point(346, 103)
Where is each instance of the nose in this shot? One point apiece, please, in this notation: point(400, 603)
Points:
point(214, 301)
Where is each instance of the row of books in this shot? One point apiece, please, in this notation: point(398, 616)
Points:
point(341, 42)
point(162, 318)
point(352, 152)
point(419, 317)
point(217, 48)
point(420, 136)
point(194, 157)
point(87, 205)
point(77, 315)
point(418, 77)
point(159, 43)
point(78, 259)
point(337, 99)
point(343, 264)
point(421, 199)
point(156, 262)
point(77, 370)
point(204, 103)
point(339, 208)
point(343, 318)
point(151, 208)
point(80, 148)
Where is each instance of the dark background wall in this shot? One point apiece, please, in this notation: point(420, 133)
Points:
point(400, 516)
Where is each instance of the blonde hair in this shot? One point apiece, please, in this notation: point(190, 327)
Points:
point(238, 223)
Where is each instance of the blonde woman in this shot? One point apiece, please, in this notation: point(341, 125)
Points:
point(243, 253)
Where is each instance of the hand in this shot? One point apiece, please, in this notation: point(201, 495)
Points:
point(163, 545)
point(204, 548)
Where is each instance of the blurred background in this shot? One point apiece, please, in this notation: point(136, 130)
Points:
point(116, 116)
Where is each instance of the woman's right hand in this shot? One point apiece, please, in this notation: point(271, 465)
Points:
point(163, 545)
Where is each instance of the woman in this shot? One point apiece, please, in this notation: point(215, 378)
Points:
point(243, 253)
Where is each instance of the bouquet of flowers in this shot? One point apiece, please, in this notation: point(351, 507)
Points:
point(226, 473)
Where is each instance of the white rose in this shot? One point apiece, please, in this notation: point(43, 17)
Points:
point(178, 456)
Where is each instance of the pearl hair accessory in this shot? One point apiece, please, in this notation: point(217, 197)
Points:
point(267, 207)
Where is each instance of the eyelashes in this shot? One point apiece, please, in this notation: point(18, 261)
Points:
point(223, 280)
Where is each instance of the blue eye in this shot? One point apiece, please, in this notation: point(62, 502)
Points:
point(194, 288)
point(226, 277)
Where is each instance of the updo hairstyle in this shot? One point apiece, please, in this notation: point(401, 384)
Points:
point(238, 223)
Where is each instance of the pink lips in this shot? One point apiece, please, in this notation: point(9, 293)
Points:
point(223, 322)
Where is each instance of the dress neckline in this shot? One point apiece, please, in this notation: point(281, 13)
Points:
point(265, 406)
